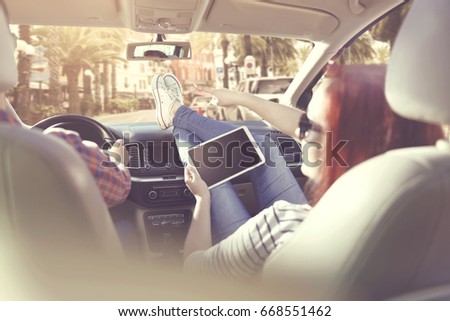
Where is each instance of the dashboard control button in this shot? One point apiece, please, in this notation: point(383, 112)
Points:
point(152, 195)
point(187, 192)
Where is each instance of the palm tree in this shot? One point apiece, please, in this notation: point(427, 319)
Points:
point(83, 47)
point(264, 49)
point(247, 42)
point(97, 85)
point(387, 29)
point(260, 52)
point(79, 47)
point(362, 51)
point(202, 40)
point(24, 70)
point(87, 80)
point(304, 51)
point(224, 43)
point(382, 53)
point(49, 38)
point(258, 46)
point(53, 54)
point(106, 80)
point(113, 80)
point(359, 52)
point(285, 53)
point(115, 40)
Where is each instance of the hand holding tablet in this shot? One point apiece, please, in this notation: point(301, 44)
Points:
point(226, 156)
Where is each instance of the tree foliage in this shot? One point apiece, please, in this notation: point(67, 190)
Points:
point(83, 48)
point(54, 65)
point(387, 29)
point(276, 53)
point(22, 94)
point(359, 52)
point(364, 50)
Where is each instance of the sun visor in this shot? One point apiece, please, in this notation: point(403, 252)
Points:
point(418, 77)
point(280, 18)
point(8, 69)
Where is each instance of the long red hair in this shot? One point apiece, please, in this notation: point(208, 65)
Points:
point(357, 112)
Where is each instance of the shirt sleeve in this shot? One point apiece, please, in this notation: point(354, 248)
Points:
point(113, 180)
point(242, 254)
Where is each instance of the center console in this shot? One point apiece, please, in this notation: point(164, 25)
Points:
point(166, 230)
point(159, 208)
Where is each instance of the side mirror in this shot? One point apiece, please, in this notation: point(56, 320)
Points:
point(159, 51)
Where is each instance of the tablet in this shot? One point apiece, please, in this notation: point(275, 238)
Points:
point(226, 156)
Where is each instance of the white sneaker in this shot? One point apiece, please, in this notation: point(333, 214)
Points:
point(164, 101)
point(174, 86)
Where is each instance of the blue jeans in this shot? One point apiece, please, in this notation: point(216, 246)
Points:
point(272, 181)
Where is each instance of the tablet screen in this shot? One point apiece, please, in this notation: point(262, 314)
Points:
point(226, 156)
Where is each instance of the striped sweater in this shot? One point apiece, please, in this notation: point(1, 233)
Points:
point(243, 253)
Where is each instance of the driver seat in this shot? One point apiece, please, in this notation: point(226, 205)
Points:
point(48, 194)
point(54, 224)
point(382, 231)
point(52, 216)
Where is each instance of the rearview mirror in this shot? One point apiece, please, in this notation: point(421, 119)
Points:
point(159, 51)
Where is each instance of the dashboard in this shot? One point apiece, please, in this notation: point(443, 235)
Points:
point(156, 168)
point(159, 208)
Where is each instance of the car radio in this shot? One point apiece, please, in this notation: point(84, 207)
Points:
point(160, 191)
point(168, 192)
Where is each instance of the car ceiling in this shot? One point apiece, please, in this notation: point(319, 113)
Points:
point(316, 20)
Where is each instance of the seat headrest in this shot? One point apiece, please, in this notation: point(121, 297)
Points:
point(419, 69)
point(8, 68)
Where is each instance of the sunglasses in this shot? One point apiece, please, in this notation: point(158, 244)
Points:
point(306, 126)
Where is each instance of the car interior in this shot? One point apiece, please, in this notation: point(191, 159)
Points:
point(379, 233)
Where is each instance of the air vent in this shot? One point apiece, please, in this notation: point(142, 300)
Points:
point(135, 157)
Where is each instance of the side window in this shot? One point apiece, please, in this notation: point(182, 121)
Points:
point(371, 47)
point(374, 45)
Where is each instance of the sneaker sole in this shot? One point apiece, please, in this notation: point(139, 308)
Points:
point(155, 91)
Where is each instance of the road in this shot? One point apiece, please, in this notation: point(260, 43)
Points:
point(140, 116)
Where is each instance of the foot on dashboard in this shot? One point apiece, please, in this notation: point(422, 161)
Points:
point(165, 100)
point(174, 86)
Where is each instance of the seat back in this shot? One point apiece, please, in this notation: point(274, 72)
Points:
point(51, 211)
point(383, 229)
point(54, 225)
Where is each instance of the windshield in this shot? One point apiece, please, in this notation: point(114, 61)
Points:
point(74, 70)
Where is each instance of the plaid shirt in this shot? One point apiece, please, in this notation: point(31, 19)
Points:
point(114, 182)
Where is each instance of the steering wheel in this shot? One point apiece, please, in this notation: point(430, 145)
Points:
point(88, 128)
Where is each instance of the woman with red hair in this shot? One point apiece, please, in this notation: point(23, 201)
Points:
point(350, 107)
point(348, 121)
